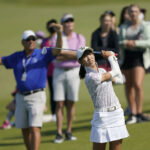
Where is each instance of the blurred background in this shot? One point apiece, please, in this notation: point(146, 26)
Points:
point(19, 15)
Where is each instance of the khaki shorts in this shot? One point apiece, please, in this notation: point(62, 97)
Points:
point(29, 110)
point(66, 84)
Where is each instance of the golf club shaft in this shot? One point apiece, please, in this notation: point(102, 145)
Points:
point(68, 49)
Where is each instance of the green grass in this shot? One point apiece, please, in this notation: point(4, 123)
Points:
point(18, 16)
point(67, 2)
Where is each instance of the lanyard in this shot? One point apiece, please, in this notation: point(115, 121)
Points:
point(25, 63)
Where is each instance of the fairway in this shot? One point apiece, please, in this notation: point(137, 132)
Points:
point(15, 18)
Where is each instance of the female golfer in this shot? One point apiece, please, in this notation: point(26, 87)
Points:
point(108, 123)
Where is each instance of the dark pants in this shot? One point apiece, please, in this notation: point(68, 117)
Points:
point(52, 102)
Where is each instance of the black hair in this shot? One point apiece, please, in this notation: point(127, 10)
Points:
point(122, 19)
point(143, 10)
point(110, 12)
point(82, 72)
point(87, 52)
point(50, 21)
point(104, 15)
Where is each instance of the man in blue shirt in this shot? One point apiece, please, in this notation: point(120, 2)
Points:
point(30, 71)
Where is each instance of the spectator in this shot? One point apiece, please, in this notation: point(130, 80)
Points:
point(51, 30)
point(47, 43)
point(124, 16)
point(11, 107)
point(66, 78)
point(142, 14)
point(135, 43)
point(40, 35)
point(104, 38)
point(30, 68)
point(114, 24)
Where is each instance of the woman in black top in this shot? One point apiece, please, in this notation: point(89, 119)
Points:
point(104, 38)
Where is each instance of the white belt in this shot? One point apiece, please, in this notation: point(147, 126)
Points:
point(108, 109)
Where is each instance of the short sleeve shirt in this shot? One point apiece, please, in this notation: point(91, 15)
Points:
point(36, 68)
point(74, 42)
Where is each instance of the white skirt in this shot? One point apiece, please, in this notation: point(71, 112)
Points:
point(108, 126)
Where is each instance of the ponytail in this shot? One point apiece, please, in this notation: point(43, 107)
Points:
point(82, 72)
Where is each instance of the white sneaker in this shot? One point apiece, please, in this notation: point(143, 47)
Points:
point(53, 118)
point(47, 118)
point(59, 138)
point(69, 137)
point(131, 119)
point(6, 125)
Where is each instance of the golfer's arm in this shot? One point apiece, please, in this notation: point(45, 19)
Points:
point(119, 79)
point(106, 76)
point(1, 60)
point(115, 70)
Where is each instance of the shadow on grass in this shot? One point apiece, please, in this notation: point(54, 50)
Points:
point(48, 133)
point(81, 128)
point(87, 113)
point(53, 132)
point(11, 144)
point(147, 111)
point(13, 137)
point(47, 141)
point(82, 121)
point(74, 129)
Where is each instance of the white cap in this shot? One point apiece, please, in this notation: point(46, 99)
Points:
point(141, 16)
point(27, 34)
point(81, 51)
point(66, 17)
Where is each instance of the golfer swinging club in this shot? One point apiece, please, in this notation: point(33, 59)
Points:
point(108, 123)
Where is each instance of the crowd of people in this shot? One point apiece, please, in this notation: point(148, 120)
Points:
point(43, 60)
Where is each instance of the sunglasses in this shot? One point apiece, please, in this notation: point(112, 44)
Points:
point(69, 20)
point(30, 38)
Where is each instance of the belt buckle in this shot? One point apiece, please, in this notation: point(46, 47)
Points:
point(111, 108)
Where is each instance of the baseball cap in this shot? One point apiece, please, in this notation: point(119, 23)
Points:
point(27, 34)
point(40, 34)
point(82, 50)
point(65, 17)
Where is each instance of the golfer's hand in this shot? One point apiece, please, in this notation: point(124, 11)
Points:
point(58, 27)
point(106, 54)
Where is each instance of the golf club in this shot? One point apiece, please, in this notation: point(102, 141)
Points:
point(68, 49)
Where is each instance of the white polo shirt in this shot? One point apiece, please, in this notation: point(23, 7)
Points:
point(102, 93)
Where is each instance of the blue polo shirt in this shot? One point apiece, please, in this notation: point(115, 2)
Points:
point(36, 68)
